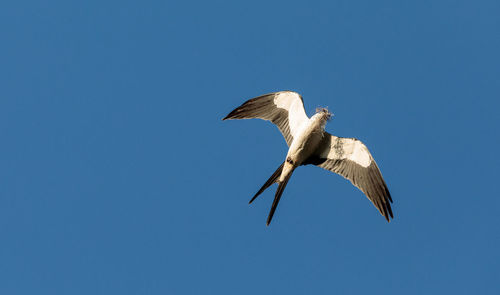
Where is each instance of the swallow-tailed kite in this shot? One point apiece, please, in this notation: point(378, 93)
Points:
point(309, 143)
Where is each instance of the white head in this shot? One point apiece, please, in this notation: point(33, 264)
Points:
point(324, 113)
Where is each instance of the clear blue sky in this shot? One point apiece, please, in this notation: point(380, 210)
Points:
point(117, 175)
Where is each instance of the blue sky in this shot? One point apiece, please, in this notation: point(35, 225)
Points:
point(119, 177)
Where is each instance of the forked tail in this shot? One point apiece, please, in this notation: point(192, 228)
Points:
point(277, 197)
point(274, 178)
point(281, 187)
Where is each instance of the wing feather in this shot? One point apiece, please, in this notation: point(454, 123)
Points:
point(285, 109)
point(351, 159)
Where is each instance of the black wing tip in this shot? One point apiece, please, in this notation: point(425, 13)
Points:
point(229, 116)
point(234, 114)
point(386, 200)
point(389, 215)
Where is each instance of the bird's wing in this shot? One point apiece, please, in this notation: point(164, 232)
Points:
point(284, 109)
point(350, 158)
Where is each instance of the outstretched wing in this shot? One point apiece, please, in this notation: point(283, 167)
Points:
point(284, 109)
point(350, 158)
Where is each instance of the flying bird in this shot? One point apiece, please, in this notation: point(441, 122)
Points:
point(309, 143)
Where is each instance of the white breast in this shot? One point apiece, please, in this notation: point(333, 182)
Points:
point(309, 135)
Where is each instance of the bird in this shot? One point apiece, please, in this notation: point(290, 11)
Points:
point(310, 144)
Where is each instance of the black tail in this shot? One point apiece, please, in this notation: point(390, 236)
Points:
point(269, 182)
point(277, 197)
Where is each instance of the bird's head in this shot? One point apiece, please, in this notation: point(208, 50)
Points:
point(325, 114)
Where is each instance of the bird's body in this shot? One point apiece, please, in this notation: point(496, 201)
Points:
point(309, 143)
point(309, 136)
